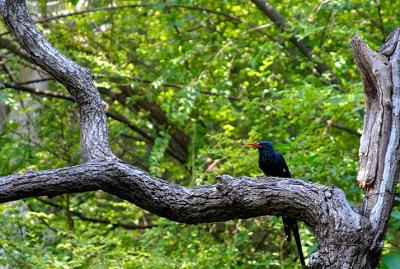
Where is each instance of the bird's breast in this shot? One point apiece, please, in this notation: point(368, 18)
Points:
point(270, 167)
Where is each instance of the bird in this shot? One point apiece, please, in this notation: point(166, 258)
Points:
point(273, 164)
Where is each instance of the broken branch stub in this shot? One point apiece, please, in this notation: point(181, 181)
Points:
point(376, 76)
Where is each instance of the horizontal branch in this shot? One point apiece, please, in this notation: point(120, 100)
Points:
point(231, 198)
point(324, 208)
point(36, 91)
point(50, 182)
point(332, 123)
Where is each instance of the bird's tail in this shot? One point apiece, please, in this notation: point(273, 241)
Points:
point(287, 222)
point(296, 236)
point(289, 225)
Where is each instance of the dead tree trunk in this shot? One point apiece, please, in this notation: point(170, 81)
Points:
point(347, 237)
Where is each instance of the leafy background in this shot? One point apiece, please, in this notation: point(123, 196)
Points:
point(194, 80)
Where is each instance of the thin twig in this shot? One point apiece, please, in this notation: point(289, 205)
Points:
point(331, 123)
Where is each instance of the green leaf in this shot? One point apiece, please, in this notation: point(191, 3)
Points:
point(392, 260)
point(395, 214)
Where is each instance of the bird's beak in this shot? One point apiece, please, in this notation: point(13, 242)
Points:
point(253, 145)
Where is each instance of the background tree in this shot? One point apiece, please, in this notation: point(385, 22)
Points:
point(184, 83)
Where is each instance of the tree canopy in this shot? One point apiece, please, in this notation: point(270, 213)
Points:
point(185, 84)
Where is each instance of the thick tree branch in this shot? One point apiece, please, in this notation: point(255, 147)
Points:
point(324, 208)
point(232, 198)
point(78, 80)
point(51, 182)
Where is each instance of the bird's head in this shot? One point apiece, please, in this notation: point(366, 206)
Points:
point(262, 146)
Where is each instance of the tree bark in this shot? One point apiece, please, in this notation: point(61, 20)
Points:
point(380, 143)
point(347, 237)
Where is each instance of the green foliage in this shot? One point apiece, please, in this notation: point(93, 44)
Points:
point(157, 153)
point(201, 84)
point(391, 260)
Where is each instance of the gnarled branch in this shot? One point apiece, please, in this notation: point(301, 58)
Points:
point(232, 198)
point(77, 80)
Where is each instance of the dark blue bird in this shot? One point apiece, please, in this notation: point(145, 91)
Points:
point(273, 164)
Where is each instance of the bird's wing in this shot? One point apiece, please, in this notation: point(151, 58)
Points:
point(285, 169)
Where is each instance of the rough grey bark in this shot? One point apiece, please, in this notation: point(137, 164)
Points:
point(376, 71)
point(377, 113)
point(232, 198)
point(380, 142)
point(77, 79)
point(347, 237)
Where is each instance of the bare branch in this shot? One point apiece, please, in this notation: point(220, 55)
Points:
point(50, 182)
point(36, 91)
point(377, 114)
point(324, 208)
point(380, 213)
point(35, 81)
point(233, 198)
point(342, 127)
point(78, 80)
